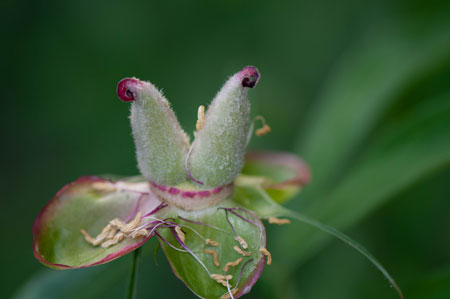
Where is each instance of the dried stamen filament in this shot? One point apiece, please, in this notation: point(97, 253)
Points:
point(116, 231)
point(200, 117)
point(242, 242)
point(240, 251)
point(265, 129)
point(267, 254)
point(140, 233)
point(212, 242)
point(214, 255)
point(232, 264)
point(222, 279)
point(117, 238)
point(228, 296)
point(235, 289)
point(88, 238)
point(112, 232)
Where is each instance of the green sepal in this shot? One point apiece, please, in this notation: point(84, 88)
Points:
point(187, 268)
point(88, 203)
point(281, 175)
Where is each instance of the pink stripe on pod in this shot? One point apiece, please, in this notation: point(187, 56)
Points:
point(174, 191)
point(204, 193)
point(217, 190)
point(162, 188)
point(190, 194)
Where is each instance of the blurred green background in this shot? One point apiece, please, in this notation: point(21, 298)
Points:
point(360, 89)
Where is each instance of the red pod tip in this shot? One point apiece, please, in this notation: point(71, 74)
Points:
point(125, 89)
point(250, 76)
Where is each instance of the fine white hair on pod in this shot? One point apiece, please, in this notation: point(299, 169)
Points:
point(217, 153)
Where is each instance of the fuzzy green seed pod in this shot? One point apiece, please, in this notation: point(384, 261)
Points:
point(161, 144)
point(217, 153)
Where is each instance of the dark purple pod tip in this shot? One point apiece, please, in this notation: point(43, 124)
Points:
point(125, 89)
point(250, 76)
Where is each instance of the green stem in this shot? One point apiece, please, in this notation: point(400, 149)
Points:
point(346, 239)
point(133, 274)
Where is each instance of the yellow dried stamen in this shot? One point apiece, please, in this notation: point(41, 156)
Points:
point(135, 222)
point(266, 253)
point(116, 231)
point(99, 239)
point(215, 256)
point(232, 264)
point(274, 220)
point(221, 276)
point(118, 224)
point(112, 232)
point(241, 242)
point(127, 227)
point(265, 129)
point(212, 242)
point(87, 237)
point(117, 238)
point(240, 251)
point(104, 234)
point(180, 233)
point(140, 233)
point(222, 279)
point(200, 117)
point(227, 295)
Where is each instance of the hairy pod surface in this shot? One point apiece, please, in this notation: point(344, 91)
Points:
point(161, 144)
point(217, 153)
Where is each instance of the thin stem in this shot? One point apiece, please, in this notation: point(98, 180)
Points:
point(133, 274)
point(201, 223)
point(346, 239)
point(228, 220)
point(242, 217)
